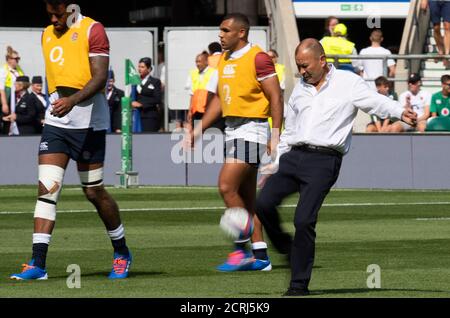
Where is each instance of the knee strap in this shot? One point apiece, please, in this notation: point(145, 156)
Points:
point(50, 178)
point(92, 178)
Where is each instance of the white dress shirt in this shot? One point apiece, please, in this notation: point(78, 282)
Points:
point(325, 117)
point(139, 87)
point(41, 98)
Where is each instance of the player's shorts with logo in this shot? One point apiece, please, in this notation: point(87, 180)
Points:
point(81, 145)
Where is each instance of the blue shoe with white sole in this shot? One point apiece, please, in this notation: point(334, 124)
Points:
point(238, 260)
point(261, 265)
point(30, 272)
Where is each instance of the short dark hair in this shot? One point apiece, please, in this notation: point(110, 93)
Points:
point(56, 3)
point(147, 61)
point(274, 52)
point(240, 18)
point(376, 35)
point(445, 78)
point(214, 47)
point(381, 80)
point(203, 54)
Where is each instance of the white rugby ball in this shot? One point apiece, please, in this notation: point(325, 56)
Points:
point(237, 223)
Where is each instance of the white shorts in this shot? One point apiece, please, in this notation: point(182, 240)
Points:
point(252, 131)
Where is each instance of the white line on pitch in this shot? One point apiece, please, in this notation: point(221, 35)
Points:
point(215, 187)
point(433, 219)
point(221, 207)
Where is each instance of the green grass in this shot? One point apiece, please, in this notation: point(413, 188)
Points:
point(176, 250)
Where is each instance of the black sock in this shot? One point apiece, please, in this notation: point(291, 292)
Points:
point(40, 254)
point(120, 247)
point(240, 246)
point(261, 254)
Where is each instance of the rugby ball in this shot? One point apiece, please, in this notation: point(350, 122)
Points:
point(237, 223)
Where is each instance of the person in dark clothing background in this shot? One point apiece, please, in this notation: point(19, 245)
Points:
point(114, 96)
point(39, 101)
point(149, 97)
point(25, 114)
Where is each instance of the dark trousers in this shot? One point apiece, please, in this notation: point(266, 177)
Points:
point(312, 174)
point(151, 122)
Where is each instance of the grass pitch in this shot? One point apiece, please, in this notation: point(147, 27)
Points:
point(176, 243)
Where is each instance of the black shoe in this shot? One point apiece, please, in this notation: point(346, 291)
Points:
point(296, 292)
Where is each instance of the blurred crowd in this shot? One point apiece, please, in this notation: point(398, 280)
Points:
point(24, 103)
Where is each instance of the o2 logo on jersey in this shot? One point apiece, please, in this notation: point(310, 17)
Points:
point(56, 55)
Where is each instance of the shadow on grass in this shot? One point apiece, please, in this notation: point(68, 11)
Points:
point(343, 291)
point(366, 290)
point(287, 266)
point(132, 274)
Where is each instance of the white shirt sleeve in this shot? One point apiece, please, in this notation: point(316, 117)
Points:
point(390, 62)
point(213, 82)
point(288, 132)
point(373, 103)
point(2, 78)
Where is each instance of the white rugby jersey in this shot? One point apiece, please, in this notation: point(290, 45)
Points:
point(92, 113)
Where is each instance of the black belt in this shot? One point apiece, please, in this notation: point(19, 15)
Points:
point(319, 149)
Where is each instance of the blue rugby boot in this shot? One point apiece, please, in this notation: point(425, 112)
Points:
point(30, 272)
point(121, 266)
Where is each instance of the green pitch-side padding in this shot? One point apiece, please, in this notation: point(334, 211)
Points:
point(438, 124)
point(127, 140)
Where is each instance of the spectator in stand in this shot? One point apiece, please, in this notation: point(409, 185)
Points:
point(371, 69)
point(337, 44)
point(417, 99)
point(440, 9)
point(25, 115)
point(8, 74)
point(377, 124)
point(440, 103)
point(114, 97)
point(330, 23)
point(39, 100)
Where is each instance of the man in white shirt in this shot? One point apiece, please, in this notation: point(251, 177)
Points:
point(372, 69)
point(419, 101)
point(318, 130)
